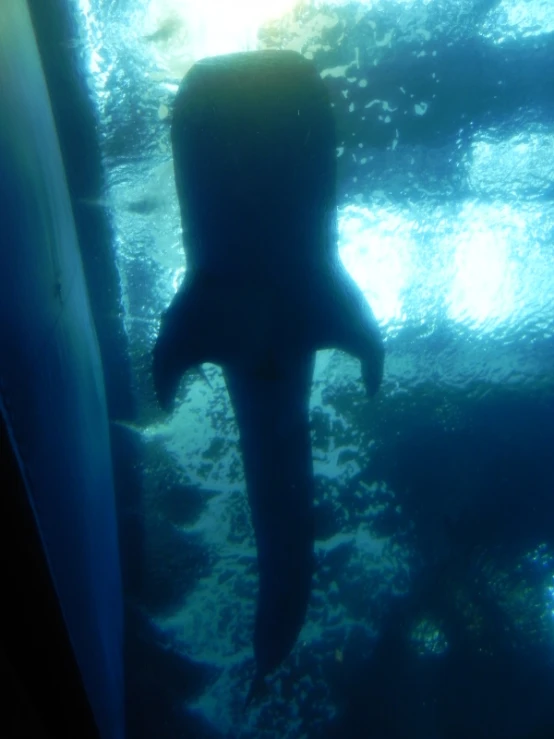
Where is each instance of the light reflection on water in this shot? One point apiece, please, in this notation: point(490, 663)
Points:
point(478, 267)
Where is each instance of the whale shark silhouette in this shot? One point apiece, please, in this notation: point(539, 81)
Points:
point(254, 157)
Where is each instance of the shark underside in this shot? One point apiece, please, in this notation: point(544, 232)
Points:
point(254, 157)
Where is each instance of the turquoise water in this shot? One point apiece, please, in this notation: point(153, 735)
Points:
point(431, 607)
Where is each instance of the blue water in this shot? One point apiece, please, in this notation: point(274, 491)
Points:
point(432, 612)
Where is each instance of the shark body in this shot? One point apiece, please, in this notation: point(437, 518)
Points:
point(254, 156)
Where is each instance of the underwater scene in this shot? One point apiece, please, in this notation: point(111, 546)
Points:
point(318, 245)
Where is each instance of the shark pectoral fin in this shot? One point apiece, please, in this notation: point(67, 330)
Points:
point(365, 344)
point(169, 359)
point(364, 341)
point(185, 340)
point(352, 327)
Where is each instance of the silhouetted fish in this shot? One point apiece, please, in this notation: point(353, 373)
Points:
point(254, 155)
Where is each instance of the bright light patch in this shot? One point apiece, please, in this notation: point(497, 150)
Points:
point(522, 164)
point(521, 18)
point(483, 289)
point(179, 32)
point(376, 247)
point(368, 4)
point(94, 60)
